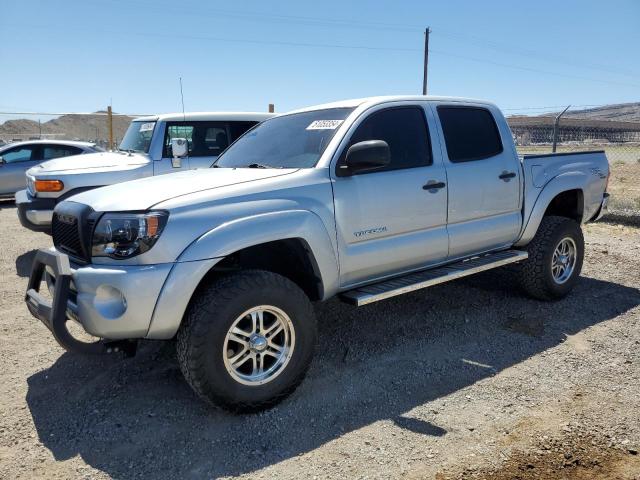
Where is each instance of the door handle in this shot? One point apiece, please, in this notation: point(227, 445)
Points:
point(507, 175)
point(434, 186)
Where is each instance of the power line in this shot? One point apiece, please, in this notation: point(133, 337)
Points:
point(544, 56)
point(529, 69)
point(359, 47)
point(408, 28)
point(78, 113)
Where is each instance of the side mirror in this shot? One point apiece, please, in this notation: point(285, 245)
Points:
point(365, 156)
point(179, 149)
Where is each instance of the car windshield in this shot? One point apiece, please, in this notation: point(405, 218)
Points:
point(290, 141)
point(138, 137)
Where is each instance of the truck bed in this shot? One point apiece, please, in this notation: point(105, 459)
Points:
point(545, 174)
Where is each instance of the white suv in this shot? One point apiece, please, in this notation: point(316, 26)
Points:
point(145, 150)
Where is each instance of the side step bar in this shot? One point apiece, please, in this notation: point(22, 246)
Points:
point(427, 278)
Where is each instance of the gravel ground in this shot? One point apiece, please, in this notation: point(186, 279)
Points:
point(465, 380)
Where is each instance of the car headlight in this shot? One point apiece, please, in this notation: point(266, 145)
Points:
point(125, 235)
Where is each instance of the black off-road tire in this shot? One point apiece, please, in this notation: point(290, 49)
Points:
point(211, 313)
point(535, 274)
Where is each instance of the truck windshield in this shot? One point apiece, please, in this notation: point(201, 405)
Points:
point(291, 141)
point(138, 137)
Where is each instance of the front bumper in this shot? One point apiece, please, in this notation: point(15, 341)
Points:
point(111, 302)
point(35, 213)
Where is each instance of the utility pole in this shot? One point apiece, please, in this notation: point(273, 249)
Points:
point(272, 108)
point(110, 125)
point(39, 129)
point(426, 60)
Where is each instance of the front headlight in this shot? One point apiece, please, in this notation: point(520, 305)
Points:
point(125, 235)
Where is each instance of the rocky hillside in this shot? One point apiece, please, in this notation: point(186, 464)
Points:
point(69, 127)
point(623, 112)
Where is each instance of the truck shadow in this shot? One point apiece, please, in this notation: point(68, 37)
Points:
point(138, 417)
point(7, 203)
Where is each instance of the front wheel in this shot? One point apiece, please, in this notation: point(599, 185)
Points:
point(555, 259)
point(247, 340)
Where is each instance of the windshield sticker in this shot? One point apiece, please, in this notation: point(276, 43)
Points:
point(145, 127)
point(324, 124)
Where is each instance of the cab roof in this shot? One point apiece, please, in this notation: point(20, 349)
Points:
point(207, 116)
point(73, 143)
point(370, 101)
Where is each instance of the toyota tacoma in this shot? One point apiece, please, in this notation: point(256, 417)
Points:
point(364, 200)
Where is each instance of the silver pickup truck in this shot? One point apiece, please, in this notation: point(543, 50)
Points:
point(362, 199)
point(145, 150)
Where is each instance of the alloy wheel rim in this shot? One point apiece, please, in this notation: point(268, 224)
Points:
point(563, 261)
point(258, 345)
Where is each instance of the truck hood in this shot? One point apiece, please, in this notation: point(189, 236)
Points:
point(89, 161)
point(146, 192)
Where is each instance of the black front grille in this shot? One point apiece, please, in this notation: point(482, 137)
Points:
point(71, 228)
point(66, 235)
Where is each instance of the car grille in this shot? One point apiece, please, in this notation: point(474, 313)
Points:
point(66, 235)
point(71, 228)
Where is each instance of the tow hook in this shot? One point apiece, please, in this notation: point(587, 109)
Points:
point(127, 347)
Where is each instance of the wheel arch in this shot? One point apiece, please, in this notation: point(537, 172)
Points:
point(294, 244)
point(562, 196)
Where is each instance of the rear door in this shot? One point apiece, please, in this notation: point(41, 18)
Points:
point(17, 161)
point(483, 176)
point(52, 151)
point(387, 220)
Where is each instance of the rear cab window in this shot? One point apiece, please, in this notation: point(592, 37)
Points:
point(470, 133)
point(204, 138)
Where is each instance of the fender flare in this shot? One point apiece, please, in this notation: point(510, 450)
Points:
point(245, 232)
point(210, 248)
point(554, 187)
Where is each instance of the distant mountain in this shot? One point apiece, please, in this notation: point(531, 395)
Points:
point(68, 127)
point(622, 112)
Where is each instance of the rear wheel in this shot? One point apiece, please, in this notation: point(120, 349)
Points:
point(555, 259)
point(247, 340)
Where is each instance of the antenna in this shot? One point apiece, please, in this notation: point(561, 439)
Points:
point(184, 118)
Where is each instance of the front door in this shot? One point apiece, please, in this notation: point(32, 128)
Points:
point(16, 161)
point(389, 221)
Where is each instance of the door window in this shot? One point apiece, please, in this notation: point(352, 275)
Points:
point(405, 131)
point(238, 128)
point(49, 152)
point(18, 154)
point(215, 141)
point(205, 139)
point(470, 133)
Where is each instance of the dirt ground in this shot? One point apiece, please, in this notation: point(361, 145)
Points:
point(466, 380)
point(624, 186)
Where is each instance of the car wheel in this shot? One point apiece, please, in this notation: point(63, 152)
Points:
point(247, 340)
point(555, 259)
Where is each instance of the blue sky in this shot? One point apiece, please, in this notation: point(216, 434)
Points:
point(78, 55)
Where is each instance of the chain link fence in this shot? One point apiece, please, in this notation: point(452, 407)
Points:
point(619, 139)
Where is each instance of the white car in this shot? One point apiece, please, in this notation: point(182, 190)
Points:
point(146, 150)
point(18, 157)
